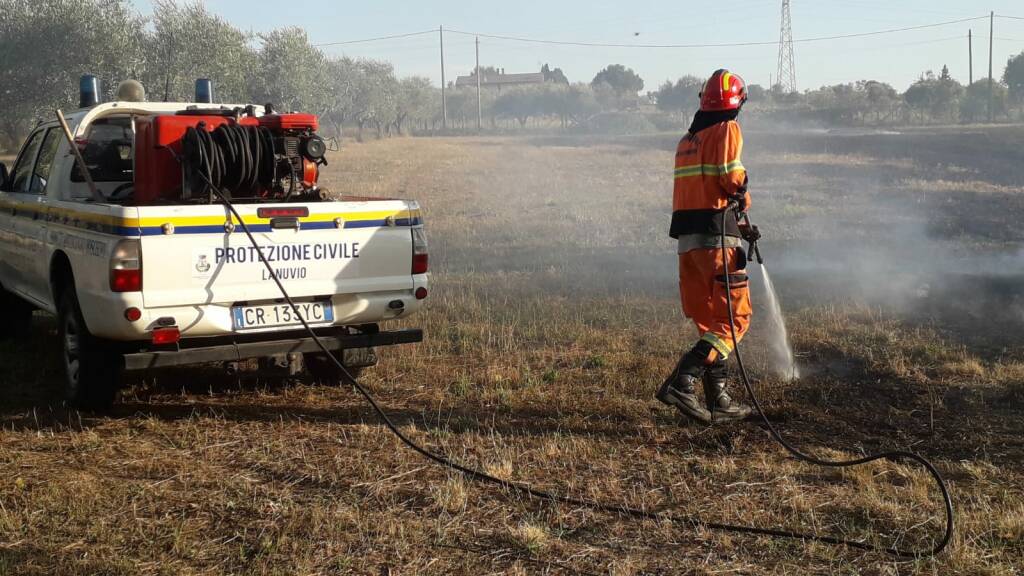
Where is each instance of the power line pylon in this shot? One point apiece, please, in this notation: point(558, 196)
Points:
point(786, 79)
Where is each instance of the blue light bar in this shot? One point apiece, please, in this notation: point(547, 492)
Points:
point(204, 91)
point(88, 91)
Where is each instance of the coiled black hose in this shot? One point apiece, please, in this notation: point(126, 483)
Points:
point(232, 157)
point(693, 521)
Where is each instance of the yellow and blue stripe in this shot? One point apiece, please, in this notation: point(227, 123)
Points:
point(153, 225)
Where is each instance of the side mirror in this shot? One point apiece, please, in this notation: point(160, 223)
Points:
point(3, 176)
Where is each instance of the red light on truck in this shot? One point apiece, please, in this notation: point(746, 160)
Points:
point(166, 336)
point(420, 263)
point(300, 212)
point(126, 267)
point(125, 280)
point(421, 293)
point(420, 260)
point(132, 314)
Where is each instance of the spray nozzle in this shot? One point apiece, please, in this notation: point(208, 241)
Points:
point(751, 234)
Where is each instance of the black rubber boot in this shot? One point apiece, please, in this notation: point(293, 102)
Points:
point(679, 390)
point(722, 407)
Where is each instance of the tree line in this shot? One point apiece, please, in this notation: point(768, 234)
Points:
point(933, 98)
point(47, 44)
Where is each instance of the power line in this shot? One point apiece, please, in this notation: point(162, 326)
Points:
point(392, 37)
point(1010, 17)
point(718, 45)
point(613, 45)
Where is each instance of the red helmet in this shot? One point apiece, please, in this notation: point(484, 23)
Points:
point(723, 91)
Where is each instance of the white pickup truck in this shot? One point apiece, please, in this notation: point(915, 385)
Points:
point(145, 269)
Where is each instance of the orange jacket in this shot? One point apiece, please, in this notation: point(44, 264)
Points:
point(708, 172)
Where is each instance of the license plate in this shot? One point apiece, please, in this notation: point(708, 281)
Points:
point(277, 315)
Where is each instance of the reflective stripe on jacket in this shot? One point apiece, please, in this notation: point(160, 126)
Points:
point(708, 171)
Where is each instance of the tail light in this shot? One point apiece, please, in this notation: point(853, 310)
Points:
point(168, 335)
point(420, 259)
point(126, 267)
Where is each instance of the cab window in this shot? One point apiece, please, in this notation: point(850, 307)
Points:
point(21, 176)
point(108, 150)
point(44, 163)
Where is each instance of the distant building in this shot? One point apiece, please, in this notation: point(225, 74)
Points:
point(498, 79)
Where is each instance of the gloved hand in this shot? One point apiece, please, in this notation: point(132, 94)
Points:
point(740, 200)
point(750, 233)
point(740, 197)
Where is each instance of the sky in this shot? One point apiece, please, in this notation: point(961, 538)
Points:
point(897, 58)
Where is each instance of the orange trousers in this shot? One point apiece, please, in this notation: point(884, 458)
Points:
point(702, 290)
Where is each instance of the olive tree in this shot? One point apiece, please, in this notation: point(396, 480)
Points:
point(520, 103)
point(188, 42)
point(681, 96)
point(974, 105)
point(935, 96)
point(414, 101)
point(46, 45)
point(373, 94)
point(1013, 77)
point(341, 78)
point(290, 72)
point(616, 85)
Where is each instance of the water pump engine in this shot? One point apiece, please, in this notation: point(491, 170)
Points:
point(274, 157)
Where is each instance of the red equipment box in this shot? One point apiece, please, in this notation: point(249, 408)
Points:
point(158, 175)
point(282, 122)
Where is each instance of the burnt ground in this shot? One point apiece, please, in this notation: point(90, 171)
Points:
point(552, 318)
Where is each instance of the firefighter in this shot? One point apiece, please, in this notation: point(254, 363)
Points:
point(710, 180)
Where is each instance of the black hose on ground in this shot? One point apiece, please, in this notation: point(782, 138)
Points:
point(892, 456)
point(480, 476)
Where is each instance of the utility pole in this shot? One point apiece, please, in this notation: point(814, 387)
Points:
point(970, 59)
point(479, 106)
point(444, 96)
point(991, 28)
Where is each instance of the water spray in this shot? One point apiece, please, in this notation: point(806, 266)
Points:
point(779, 348)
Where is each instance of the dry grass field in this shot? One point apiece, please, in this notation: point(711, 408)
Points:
point(553, 316)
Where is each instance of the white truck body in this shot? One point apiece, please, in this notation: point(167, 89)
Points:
point(347, 263)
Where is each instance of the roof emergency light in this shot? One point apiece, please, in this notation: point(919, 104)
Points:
point(88, 91)
point(204, 91)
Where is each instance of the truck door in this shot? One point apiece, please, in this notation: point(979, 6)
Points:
point(37, 276)
point(20, 209)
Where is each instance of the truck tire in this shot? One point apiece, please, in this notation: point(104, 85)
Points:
point(91, 372)
point(19, 316)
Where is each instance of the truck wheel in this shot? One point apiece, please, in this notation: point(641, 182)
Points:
point(91, 371)
point(19, 316)
point(323, 370)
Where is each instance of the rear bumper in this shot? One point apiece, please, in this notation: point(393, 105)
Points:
point(104, 313)
point(241, 350)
